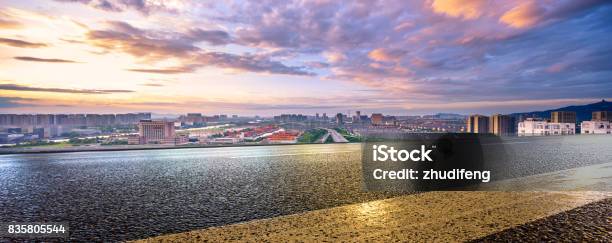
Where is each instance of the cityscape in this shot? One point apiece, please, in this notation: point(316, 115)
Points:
point(91, 130)
point(305, 121)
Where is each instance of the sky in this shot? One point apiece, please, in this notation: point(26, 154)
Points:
point(269, 57)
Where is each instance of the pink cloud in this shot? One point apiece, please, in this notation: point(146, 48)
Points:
point(466, 9)
point(555, 68)
point(524, 15)
point(386, 55)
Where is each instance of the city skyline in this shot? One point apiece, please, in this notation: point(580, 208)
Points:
point(303, 57)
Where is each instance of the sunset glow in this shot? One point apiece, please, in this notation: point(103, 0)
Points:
point(271, 57)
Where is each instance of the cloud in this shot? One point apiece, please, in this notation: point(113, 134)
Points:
point(253, 63)
point(142, 6)
point(214, 37)
point(36, 59)
point(531, 12)
point(466, 9)
point(155, 46)
point(9, 24)
point(385, 55)
point(524, 15)
point(216, 105)
point(153, 85)
point(431, 51)
point(162, 71)
point(17, 87)
point(121, 36)
point(11, 102)
point(334, 57)
point(320, 65)
point(20, 43)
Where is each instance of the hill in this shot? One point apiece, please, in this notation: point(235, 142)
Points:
point(583, 112)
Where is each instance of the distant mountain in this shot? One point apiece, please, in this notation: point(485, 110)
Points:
point(583, 112)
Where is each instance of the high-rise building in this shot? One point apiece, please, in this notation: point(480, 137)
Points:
point(56, 124)
point(377, 119)
point(290, 118)
point(502, 124)
point(357, 117)
point(40, 132)
point(563, 117)
point(339, 119)
point(602, 116)
point(478, 124)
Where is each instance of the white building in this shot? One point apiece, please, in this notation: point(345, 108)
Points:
point(595, 127)
point(531, 127)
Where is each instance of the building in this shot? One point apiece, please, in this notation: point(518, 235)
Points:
point(535, 127)
point(357, 117)
point(157, 132)
point(135, 139)
point(339, 119)
point(283, 137)
point(285, 118)
point(600, 123)
point(595, 127)
point(501, 125)
point(390, 121)
point(57, 124)
point(602, 116)
point(563, 117)
point(377, 119)
point(478, 124)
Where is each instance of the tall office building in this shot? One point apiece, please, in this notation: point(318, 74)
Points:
point(601, 116)
point(502, 124)
point(478, 124)
point(357, 117)
point(563, 117)
point(339, 118)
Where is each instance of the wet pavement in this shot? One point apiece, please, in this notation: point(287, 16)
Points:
point(589, 223)
point(426, 217)
point(127, 195)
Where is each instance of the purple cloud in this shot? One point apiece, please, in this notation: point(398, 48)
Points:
point(154, 46)
point(17, 87)
point(37, 59)
point(432, 51)
point(141, 6)
point(21, 43)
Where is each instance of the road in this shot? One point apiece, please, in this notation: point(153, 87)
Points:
point(430, 216)
point(337, 137)
point(323, 138)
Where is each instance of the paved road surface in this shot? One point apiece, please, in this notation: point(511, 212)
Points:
point(337, 137)
point(425, 217)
